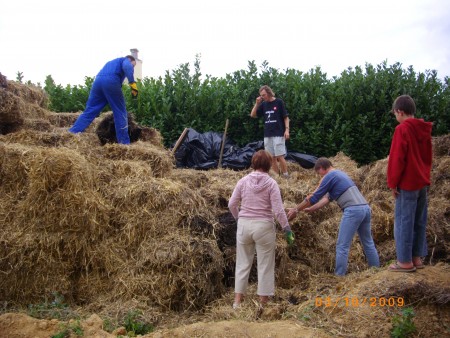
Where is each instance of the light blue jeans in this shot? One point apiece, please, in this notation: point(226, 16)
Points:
point(356, 219)
point(411, 209)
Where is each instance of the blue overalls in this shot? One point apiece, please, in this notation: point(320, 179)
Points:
point(107, 89)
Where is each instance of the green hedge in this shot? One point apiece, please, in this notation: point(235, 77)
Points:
point(348, 113)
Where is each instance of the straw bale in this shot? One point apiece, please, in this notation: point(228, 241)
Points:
point(193, 179)
point(62, 195)
point(123, 169)
point(148, 205)
point(64, 120)
point(177, 272)
point(3, 81)
point(11, 112)
point(440, 177)
point(382, 204)
point(160, 160)
point(86, 144)
point(343, 162)
point(373, 176)
point(152, 135)
point(37, 124)
point(32, 265)
point(318, 243)
point(438, 229)
point(14, 168)
point(441, 146)
point(220, 186)
point(29, 93)
point(34, 111)
point(38, 138)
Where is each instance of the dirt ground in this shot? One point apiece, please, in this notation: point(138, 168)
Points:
point(360, 305)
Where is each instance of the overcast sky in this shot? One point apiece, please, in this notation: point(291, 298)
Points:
point(71, 40)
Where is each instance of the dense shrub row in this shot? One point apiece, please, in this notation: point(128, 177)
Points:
point(348, 113)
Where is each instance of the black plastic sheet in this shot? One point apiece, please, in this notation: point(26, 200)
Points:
point(202, 151)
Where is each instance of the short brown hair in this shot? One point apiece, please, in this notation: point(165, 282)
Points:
point(404, 103)
point(268, 90)
point(322, 163)
point(262, 160)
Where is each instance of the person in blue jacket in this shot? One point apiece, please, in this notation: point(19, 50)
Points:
point(336, 185)
point(107, 89)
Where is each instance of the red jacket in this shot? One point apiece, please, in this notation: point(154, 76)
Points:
point(409, 164)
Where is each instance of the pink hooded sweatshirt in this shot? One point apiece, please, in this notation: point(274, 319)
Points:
point(259, 197)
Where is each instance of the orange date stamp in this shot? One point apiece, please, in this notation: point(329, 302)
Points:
point(359, 301)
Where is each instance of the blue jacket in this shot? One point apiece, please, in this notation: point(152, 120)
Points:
point(335, 183)
point(118, 69)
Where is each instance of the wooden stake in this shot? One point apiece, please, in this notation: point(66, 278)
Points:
point(180, 140)
point(223, 144)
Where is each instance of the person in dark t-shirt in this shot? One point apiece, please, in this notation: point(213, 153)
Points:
point(276, 126)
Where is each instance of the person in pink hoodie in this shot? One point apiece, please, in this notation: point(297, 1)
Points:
point(254, 203)
point(408, 177)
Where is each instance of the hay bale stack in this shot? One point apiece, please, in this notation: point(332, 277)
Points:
point(22, 107)
point(51, 219)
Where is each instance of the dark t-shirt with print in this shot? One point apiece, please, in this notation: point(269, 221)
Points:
point(273, 113)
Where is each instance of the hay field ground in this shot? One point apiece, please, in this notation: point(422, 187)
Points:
point(102, 230)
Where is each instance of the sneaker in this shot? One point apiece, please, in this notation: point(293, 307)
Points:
point(236, 306)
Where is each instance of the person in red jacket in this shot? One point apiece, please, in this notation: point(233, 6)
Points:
point(408, 177)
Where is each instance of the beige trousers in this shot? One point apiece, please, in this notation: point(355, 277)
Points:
point(255, 236)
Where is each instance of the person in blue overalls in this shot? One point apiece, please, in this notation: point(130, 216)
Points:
point(107, 89)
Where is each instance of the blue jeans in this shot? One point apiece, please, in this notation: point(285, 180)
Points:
point(411, 209)
point(355, 219)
